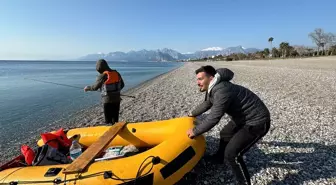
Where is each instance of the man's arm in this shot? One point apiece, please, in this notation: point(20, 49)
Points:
point(201, 108)
point(222, 100)
point(97, 85)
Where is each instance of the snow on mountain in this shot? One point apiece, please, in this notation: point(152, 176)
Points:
point(212, 49)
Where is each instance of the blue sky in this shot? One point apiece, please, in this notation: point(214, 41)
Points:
point(39, 29)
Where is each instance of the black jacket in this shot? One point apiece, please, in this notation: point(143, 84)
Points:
point(102, 66)
point(242, 105)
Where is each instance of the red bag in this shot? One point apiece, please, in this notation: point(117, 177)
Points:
point(28, 154)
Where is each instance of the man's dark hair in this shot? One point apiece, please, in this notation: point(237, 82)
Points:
point(209, 70)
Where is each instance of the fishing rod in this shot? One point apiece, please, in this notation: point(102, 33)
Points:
point(68, 85)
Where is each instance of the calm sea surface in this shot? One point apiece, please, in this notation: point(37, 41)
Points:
point(26, 104)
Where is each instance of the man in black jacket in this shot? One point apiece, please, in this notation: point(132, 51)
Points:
point(250, 118)
point(111, 83)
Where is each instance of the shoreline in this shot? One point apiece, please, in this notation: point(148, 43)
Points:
point(146, 82)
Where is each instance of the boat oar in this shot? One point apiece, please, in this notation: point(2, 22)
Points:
point(68, 85)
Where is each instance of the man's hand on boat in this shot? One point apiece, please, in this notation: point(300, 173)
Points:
point(190, 133)
point(190, 114)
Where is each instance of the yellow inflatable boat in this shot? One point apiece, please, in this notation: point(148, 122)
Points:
point(170, 156)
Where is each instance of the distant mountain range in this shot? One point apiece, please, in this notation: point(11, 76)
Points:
point(166, 54)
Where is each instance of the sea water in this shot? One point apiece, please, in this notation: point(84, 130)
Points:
point(26, 105)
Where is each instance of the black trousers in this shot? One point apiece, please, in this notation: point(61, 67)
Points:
point(236, 141)
point(111, 112)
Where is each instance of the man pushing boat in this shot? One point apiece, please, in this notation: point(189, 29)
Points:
point(250, 118)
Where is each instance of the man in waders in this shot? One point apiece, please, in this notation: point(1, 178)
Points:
point(250, 118)
point(111, 83)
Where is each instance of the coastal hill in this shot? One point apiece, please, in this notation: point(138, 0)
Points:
point(166, 54)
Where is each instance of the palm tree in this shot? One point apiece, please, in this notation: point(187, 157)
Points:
point(270, 40)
